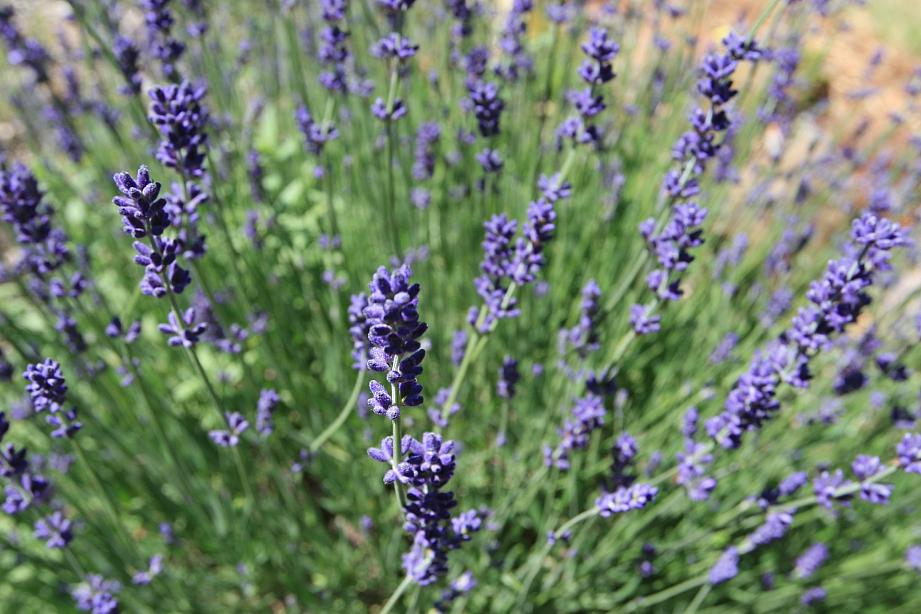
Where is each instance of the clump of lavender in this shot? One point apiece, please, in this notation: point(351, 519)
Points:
point(836, 301)
point(595, 71)
point(672, 244)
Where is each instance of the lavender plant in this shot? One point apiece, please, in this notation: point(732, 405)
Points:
point(640, 335)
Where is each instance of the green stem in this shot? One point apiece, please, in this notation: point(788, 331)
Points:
point(395, 597)
point(344, 413)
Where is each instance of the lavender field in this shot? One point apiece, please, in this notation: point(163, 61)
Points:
point(459, 306)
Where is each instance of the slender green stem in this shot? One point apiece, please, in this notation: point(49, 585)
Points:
point(698, 599)
point(344, 414)
point(395, 597)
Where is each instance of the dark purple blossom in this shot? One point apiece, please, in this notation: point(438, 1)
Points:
point(181, 118)
point(486, 105)
point(508, 378)
point(394, 330)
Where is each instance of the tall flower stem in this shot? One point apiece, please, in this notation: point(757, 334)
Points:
point(391, 190)
point(395, 597)
point(344, 413)
point(193, 357)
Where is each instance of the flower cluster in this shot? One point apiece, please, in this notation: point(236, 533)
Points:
point(584, 337)
point(837, 299)
point(595, 71)
point(144, 216)
point(426, 467)
point(693, 460)
point(394, 329)
point(486, 105)
point(587, 416)
point(162, 46)
point(127, 56)
point(97, 595)
point(179, 114)
point(21, 50)
point(23, 206)
point(47, 389)
point(316, 134)
point(672, 244)
point(333, 52)
point(518, 61)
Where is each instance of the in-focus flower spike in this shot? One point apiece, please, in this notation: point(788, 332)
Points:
point(179, 114)
point(143, 214)
point(394, 330)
